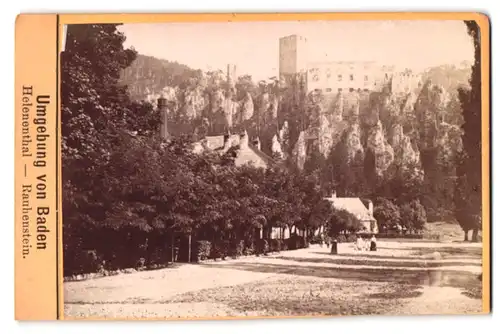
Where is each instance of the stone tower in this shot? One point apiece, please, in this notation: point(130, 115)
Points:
point(293, 57)
point(231, 75)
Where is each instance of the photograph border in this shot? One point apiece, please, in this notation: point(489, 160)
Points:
point(31, 311)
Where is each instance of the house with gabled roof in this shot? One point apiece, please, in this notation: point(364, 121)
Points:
point(355, 206)
point(246, 152)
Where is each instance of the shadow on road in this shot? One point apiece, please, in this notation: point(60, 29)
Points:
point(448, 251)
point(378, 262)
point(370, 255)
point(465, 253)
point(449, 278)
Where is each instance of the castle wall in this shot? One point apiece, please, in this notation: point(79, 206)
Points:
point(405, 82)
point(332, 77)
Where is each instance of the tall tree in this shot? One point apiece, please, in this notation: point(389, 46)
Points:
point(97, 118)
point(468, 195)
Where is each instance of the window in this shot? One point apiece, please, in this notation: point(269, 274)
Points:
point(366, 78)
point(386, 76)
point(339, 77)
point(351, 77)
point(328, 90)
point(328, 73)
point(315, 77)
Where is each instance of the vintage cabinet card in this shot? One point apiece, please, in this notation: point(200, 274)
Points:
point(231, 166)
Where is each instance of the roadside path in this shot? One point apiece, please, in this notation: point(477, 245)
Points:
point(145, 293)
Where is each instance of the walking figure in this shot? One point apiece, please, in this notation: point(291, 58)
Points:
point(359, 244)
point(327, 241)
point(373, 244)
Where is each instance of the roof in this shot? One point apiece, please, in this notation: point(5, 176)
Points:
point(262, 155)
point(216, 143)
point(353, 205)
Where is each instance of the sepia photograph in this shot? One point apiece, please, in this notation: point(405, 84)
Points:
point(252, 169)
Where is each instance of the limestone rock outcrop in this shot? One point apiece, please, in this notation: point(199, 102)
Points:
point(406, 153)
point(382, 150)
point(195, 101)
point(395, 126)
point(353, 143)
point(276, 147)
point(299, 153)
point(246, 107)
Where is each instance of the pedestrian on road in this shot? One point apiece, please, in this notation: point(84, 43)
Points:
point(373, 244)
point(359, 243)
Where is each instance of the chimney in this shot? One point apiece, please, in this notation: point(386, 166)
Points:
point(244, 140)
point(162, 107)
point(256, 143)
point(370, 208)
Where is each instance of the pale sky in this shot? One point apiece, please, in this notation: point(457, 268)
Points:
point(253, 46)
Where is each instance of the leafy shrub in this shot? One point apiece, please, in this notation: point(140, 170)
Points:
point(342, 238)
point(413, 215)
point(249, 248)
point(218, 251)
point(203, 249)
point(351, 238)
point(141, 263)
point(236, 248)
point(262, 246)
point(316, 239)
point(284, 244)
point(342, 220)
point(225, 246)
point(158, 257)
point(85, 261)
point(387, 214)
point(297, 242)
point(265, 246)
point(294, 242)
point(275, 245)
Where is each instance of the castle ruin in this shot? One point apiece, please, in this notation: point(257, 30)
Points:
point(339, 76)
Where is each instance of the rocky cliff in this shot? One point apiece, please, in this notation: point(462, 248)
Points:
point(396, 130)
